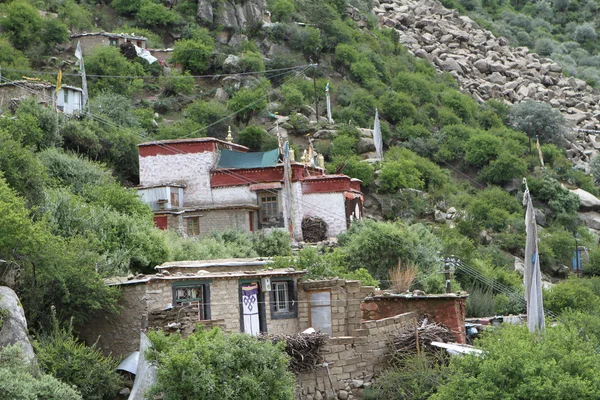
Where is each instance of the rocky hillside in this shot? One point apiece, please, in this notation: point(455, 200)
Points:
point(488, 68)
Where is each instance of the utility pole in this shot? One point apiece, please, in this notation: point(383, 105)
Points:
point(315, 87)
point(447, 262)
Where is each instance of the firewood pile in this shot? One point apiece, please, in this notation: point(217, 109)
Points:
point(314, 229)
point(303, 349)
point(414, 341)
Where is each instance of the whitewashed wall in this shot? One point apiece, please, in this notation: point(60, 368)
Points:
point(237, 195)
point(192, 169)
point(331, 207)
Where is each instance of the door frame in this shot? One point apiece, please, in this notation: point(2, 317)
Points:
point(262, 312)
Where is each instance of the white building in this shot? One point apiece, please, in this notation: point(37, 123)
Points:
point(202, 185)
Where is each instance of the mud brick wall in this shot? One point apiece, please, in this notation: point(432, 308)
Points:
point(444, 309)
point(353, 359)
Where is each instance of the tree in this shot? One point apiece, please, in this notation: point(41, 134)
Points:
point(193, 54)
point(539, 120)
point(213, 365)
point(11, 58)
point(562, 363)
point(248, 102)
point(108, 61)
point(22, 23)
point(252, 137)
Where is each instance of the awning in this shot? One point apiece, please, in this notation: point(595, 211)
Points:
point(238, 159)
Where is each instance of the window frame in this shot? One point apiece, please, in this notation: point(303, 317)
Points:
point(65, 96)
point(292, 293)
point(205, 293)
point(187, 227)
point(262, 202)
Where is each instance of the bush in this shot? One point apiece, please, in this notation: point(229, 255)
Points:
point(214, 365)
point(251, 61)
point(108, 61)
point(248, 102)
point(574, 294)
point(85, 368)
point(400, 174)
point(22, 24)
point(252, 137)
point(508, 166)
point(397, 107)
point(193, 54)
point(19, 379)
point(282, 10)
point(275, 243)
point(525, 365)
point(481, 149)
point(152, 14)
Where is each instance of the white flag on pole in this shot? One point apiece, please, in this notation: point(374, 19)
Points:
point(329, 119)
point(79, 56)
point(532, 277)
point(377, 136)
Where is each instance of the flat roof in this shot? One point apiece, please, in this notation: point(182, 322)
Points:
point(224, 262)
point(192, 140)
point(103, 33)
point(203, 275)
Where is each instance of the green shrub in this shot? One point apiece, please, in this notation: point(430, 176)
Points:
point(344, 146)
point(397, 107)
point(574, 294)
point(108, 61)
point(282, 10)
point(346, 54)
point(85, 368)
point(363, 71)
point(22, 24)
point(400, 174)
point(539, 119)
point(193, 54)
point(252, 137)
point(462, 105)
point(481, 149)
point(19, 379)
point(177, 83)
point(276, 243)
point(526, 365)
point(152, 14)
point(251, 61)
point(506, 167)
point(214, 365)
point(293, 99)
point(453, 140)
point(418, 86)
point(248, 102)
point(205, 113)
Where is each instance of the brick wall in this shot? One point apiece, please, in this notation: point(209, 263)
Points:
point(445, 309)
point(358, 358)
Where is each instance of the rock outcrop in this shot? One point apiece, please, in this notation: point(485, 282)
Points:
point(14, 325)
point(232, 14)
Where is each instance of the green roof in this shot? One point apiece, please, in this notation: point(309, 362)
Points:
point(237, 159)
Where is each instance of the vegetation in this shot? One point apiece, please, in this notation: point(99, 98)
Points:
point(215, 365)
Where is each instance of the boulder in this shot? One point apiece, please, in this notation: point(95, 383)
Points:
point(587, 201)
point(590, 219)
point(365, 145)
point(14, 326)
point(231, 63)
point(325, 134)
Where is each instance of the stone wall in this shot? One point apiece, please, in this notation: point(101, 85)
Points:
point(9, 92)
point(212, 221)
point(353, 361)
point(448, 309)
point(346, 297)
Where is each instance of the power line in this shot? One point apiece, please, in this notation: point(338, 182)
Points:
point(158, 77)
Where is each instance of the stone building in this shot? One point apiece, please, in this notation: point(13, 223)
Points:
point(91, 40)
point(239, 295)
point(197, 186)
point(69, 99)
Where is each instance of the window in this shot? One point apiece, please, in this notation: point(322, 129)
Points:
point(193, 295)
point(283, 299)
point(65, 96)
point(113, 42)
point(193, 226)
point(269, 209)
point(174, 198)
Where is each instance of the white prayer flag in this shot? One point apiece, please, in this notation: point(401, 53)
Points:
point(79, 56)
point(377, 136)
point(532, 277)
point(329, 119)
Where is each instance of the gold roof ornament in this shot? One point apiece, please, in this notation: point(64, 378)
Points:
point(229, 138)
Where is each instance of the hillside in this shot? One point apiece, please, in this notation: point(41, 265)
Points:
point(460, 113)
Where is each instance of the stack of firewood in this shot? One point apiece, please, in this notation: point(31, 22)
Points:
point(418, 339)
point(303, 349)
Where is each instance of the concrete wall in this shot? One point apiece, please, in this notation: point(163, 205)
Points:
point(448, 310)
point(353, 358)
point(192, 169)
point(331, 207)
